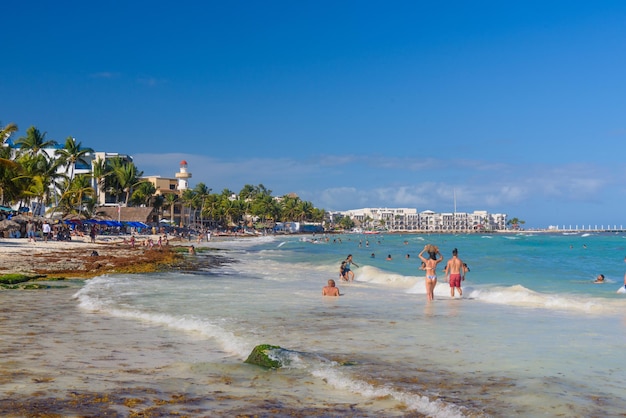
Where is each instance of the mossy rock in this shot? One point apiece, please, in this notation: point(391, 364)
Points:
point(260, 356)
point(14, 278)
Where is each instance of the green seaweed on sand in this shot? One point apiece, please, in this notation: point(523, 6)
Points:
point(14, 278)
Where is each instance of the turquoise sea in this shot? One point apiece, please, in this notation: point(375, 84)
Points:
point(532, 335)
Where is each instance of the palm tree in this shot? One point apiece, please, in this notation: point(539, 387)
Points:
point(34, 141)
point(39, 177)
point(202, 193)
point(9, 169)
point(289, 208)
point(100, 170)
point(71, 154)
point(232, 210)
point(7, 131)
point(143, 194)
point(188, 199)
point(76, 193)
point(304, 210)
point(127, 177)
point(157, 204)
point(248, 191)
point(265, 207)
point(211, 207)
point(171, 199)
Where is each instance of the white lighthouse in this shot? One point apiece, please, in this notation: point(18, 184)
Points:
point(182, 176)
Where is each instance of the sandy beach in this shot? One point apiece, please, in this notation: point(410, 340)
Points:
point(80, 258)
point(59, 360)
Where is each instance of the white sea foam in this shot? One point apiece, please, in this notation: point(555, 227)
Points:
point(94, 297)
point(369, 274)
point(437, 408)
point(520, 296)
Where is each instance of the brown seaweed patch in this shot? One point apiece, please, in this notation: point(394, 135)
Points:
point(132, 402)
point(42, 379)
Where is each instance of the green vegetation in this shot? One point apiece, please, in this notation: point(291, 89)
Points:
point(22, 281)
point(29, 174)
point(14, 278)
point(515, 223)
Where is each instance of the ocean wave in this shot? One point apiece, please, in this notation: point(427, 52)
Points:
point(518, 295)
point(369, 274)
point(239, 243)
point(423, 404)
point(95, 297)
point(335, 375)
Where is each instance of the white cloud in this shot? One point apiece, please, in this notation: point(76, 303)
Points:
point(349, 182)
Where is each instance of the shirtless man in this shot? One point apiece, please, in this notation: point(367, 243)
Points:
point(330, 290)
point(430, 265)
point(455, 272)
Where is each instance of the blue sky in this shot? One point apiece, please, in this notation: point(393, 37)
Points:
point(517, 107)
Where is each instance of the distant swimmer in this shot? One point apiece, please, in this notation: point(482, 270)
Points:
point(330, 290)
point(599, 279)
point(388, 257)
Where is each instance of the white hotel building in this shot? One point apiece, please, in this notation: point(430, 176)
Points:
point(407, 219)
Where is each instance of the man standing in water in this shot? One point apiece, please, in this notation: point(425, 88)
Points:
point(330, 290)
point(455, 271)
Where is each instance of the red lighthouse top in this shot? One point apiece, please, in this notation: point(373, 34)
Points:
point(183, 162)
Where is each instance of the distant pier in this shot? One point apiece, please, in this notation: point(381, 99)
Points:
point(587, 228)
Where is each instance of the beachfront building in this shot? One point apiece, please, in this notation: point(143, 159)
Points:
point(408, 219)
point(174, 211)
point(183, 176)
point(104, 195)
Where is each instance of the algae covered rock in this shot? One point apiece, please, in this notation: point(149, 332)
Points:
point(261, 356)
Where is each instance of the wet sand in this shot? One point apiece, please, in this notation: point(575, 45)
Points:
point(61, 361)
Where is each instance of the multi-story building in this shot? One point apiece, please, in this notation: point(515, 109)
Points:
point(408, 219)
point(176, 213)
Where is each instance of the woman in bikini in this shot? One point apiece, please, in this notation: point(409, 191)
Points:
point(431, 267)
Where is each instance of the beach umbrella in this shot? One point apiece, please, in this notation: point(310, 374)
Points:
point(21, 218)
point(74, 217)
point(8, 224)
